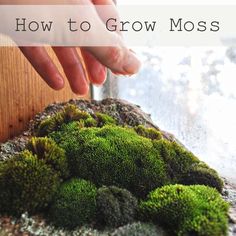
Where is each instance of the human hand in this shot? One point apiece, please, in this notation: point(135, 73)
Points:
point(119, 59)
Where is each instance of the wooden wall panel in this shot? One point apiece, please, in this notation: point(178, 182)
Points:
point(22, 92)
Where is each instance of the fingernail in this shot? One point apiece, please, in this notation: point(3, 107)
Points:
point(60, 81)
point(132, 64)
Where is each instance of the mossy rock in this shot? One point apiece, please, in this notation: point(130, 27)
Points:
point(194, 210)
point(96, 149)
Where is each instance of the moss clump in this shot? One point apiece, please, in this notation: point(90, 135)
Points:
point(178, 160)
point(185, 168)
point(115, 206)
point(68, 114)
point(113, 155)
point(27, 184)
point(196, 209)
point(47, 150)
point(202, 174)
point(148, 132)
point(74, 204)
point(104, 119)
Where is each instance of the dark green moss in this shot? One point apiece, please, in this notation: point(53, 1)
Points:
point(27, 184)
point(74, 204)
point(148, 132)
point(113, 155)
point(202, 174)
point(177, 159)
point(196, 209)
point(115, 206)
point(47, 150)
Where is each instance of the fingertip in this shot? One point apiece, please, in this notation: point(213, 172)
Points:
point(58, 82)
point(99, 76)
point(132, 64)
point(81, 90)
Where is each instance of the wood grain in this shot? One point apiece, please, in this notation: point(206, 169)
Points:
point(22, 92)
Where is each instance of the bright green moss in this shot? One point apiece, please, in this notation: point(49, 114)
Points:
point(115, 206)
point(113, 155)
point(68, 114)
point(47, 150)
point(196, 209)
point(148, 132)
point(104, 119)
point(27, 184)
point(74, 204)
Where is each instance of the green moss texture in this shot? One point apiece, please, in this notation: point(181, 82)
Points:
point(85, 169)
point(196, 209)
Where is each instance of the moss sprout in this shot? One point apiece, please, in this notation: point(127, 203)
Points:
point(47, 150)
point(68, 114)
point(104, 119)
point(148, 132)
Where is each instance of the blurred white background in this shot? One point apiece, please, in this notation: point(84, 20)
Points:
point(190, 92)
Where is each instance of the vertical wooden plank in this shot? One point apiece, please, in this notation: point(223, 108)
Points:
point(22, 92)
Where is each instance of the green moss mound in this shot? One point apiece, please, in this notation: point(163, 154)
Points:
point(113, 155)
point(74, 204)
point(185, 168)
point(27, 184)
point(196, 209)
point(47, 150)
point(115, 206)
